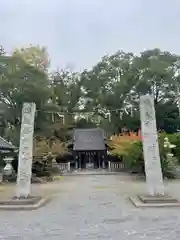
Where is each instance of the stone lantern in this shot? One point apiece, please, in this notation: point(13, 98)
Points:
point(8, 169)
point(169, 147)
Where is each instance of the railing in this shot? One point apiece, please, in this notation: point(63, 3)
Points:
point(64, 167)
point(116, 166)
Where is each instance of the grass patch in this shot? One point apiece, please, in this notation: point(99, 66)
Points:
point(58, 177)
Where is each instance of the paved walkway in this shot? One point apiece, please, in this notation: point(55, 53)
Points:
point(93, 207)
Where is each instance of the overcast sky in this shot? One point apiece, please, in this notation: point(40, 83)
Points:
point(80, 32)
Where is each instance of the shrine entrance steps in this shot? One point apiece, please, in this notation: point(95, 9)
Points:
point(91, 172)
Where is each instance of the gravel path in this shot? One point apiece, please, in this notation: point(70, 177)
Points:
point(93, 207)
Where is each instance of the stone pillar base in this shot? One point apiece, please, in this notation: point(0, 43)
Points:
point(29, 203)
point(155, 201)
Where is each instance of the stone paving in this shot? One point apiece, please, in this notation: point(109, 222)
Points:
point(93, 207)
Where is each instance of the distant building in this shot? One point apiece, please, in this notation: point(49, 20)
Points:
point(89, 148)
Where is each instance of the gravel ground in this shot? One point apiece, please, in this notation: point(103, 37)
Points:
point(93, 207)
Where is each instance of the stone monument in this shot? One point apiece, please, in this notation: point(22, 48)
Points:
point(154, 178)
point(156, 196)
point(23, 200)
point(25, 151)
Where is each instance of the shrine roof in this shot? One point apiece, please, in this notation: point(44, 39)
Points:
point(6, 145)
point(91, 139)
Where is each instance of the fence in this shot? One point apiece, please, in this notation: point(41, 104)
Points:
point(116, 166)
point(64, 167)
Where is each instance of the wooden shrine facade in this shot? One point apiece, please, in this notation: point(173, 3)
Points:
point(89, 148)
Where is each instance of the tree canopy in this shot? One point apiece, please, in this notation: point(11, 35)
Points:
point(107, 95)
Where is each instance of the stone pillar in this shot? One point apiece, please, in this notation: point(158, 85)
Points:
point(75, 157)
point(99, 160)
point(69, 166)
point(109, 165)
point(76, 164)
point(80, 161)
point(103, 164)
point(103, 161)
point(23, 186)
point(154, 178)
point(1, 177)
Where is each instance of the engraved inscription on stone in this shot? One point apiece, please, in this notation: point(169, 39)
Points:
point(153, 169)
point(27, 108)
point(25, 150)
point(26, 119)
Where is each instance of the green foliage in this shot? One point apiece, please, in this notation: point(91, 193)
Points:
point(113, 84)
point(134, 159)
point(24, 78)
point(66, 89)
point(83, 123)
point(117, 81)
point(35, 56)
point(19, 82)
point(175, 140)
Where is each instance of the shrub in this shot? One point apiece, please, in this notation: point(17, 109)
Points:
point(131, 150)
point(42, 162)
point(120, 144)
point(43, 146)
point(133, 158)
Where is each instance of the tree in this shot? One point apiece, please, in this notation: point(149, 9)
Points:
point(107, 95)
point(155, 76)
point(2, 52)
point(20, 82)
point(115, 84)
point(66, 87)
point(108, 84)
point(35, 56)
